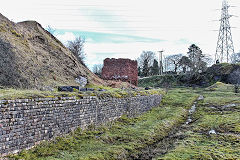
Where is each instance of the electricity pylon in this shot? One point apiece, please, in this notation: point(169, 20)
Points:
point(225, 46)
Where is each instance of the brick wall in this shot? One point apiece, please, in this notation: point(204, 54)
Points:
point(120, 69)
point(26, 122)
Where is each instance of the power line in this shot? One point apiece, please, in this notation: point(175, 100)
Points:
point(100, 15)
point(83, 5)
point(86, 9)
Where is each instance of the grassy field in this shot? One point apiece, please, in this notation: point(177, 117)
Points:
point(160, 133)
point(219, 111)
point(122, 139)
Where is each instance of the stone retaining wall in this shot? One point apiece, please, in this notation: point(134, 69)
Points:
point(26, 122)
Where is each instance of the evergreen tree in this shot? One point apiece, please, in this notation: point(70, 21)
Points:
point(197, 58)
point(146, 68)
point(184, 63)
point(139, 71)
point(155, 68)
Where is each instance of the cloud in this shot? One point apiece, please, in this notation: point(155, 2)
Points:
point(123, 28)
point(98, 37)
point(97, 52)
point(67, 36)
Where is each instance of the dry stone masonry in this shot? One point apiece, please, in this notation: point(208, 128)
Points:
point(26, 122)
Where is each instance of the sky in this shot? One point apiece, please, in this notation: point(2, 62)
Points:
point(125, 28)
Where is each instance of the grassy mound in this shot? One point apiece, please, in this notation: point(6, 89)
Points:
point(30, 57)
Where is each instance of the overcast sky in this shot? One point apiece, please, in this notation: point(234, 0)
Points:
point(124, 28)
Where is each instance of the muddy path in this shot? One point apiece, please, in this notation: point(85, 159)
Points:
point(165, 145)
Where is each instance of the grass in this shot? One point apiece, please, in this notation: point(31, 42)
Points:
point(211, 115)
point(126, 137)
point(158, 81)
point(9, 93)
point(203, 147)
point(220, 94)
point(121, 139)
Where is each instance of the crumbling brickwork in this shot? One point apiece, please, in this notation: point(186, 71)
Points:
point(120, 69)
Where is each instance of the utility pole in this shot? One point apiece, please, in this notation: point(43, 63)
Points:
point(165, 64)
point(160, 62)
point(225, 46)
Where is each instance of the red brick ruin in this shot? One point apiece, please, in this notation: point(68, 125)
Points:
point(120, 69)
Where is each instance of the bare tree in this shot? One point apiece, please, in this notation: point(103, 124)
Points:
point(97, 69)
point(76, 47)
point(145, 61)
point(208, 59)
point(236, 58)
point(50, 29)
point(174, 61)
point(146, 55)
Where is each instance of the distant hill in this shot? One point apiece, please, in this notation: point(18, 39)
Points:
point(30, 57)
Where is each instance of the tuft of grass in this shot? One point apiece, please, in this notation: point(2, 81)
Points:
point(15, 33)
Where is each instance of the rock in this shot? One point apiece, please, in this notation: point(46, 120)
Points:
point(75, 87)
point(46, 88)
point(193, 109)
point(200, 98)
point(212, 107)
point(86, 89)
point(229, 105)
point(212, 132)
point(65, 89)
point(82, 81)
point(90, 89)
point(83, 89)
point(189, 120)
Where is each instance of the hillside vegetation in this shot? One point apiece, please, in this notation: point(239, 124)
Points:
point(30, 57)
point(226, 73)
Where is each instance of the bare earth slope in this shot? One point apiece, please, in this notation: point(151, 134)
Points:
point(30, 57)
